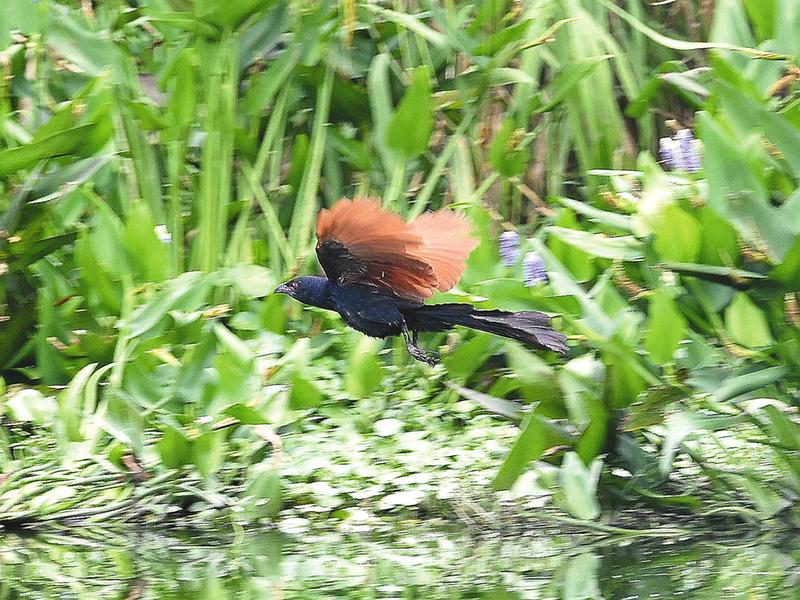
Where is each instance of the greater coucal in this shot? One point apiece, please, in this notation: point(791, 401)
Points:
point(379, 271)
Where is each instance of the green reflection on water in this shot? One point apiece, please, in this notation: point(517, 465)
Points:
point(414, 562)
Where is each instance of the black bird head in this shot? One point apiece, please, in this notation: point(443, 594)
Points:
point(308, 290)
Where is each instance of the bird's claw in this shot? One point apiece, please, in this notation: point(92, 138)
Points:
point(430, 359)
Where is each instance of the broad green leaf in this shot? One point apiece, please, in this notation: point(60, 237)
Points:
point(263, 494)
point(749, 382)
point(304, 393)
point(767, 501)
point(736, 190)
point(720, 245)
point(411, 125)
point(620, 247)
point(538, 435)
point(678, 235)
point(499, 406)
point(32, 406)
point(748, 115)
point(666, 328)
point(174, 448)
point(579, 485)
point(147, 252)
point(224, 13)
point(208, 452)
point(786, 430)
point(26, 156)
point(364, 369)
point(681, 425)
point(187, 291)
point(581, 577)
point(604, 217)
point(747, 323)
point(70, 404)
point(122, 419)
point(788, 272)
point(468, 357)
point(245, 414)
point(91, 52)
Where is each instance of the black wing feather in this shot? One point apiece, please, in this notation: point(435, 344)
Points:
point(339, 264)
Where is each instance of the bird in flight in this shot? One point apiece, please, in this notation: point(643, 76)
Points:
point(379, 270)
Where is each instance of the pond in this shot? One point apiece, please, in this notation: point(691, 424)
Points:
point(412, 561)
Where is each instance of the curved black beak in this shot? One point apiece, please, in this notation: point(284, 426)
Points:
point(281, 289)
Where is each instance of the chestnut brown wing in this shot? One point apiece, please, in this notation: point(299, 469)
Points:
point(359, 242)
point(447, 244)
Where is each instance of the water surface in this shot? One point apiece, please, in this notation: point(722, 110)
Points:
point(415, 561)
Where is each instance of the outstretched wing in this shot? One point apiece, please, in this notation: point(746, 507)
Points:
point(447, 241)
point(359, 242)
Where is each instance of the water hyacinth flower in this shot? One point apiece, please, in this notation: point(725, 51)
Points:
point(680, 151)
point(509, 248)
point(689, 151)
point(533, 270)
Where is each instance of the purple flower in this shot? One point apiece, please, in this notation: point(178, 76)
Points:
point(688, 150)
point(680, 152)
point(533, 271)
point(667, 152)
point(509, 248)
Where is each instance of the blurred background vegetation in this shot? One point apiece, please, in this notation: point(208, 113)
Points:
point(161, 166)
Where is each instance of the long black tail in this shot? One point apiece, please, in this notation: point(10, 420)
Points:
point(528, 326)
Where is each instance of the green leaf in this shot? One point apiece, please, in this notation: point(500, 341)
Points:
point(737, 278)
point(226, 14)
point(499, 406)
point(183, 93)
point(581, 577)
point(412, 123)
point(538, 435)
point(579, 485)
point(506, 155)
point(187, 291)
point(304, 394)
point(31, 405)
point(75, 42)
point(666, 328)
point(566, 80)
point(245, 414)
point(412, 23)
point(604, 217)
point(788, 272)
point(749, 382)
point(746, 323)
point(208, 452)
point(70, 404)
point(263, 495)
point(60, 143)
point(736, 190)
point(681, 425)
point(364, 369)
point(122, 419)
point(678, 235)
point(621, 247)
point(174, 448)
point(468, 357)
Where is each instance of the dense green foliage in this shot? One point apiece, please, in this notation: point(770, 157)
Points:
point(162, 165)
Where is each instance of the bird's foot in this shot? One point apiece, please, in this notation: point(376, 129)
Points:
point(418, 353)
